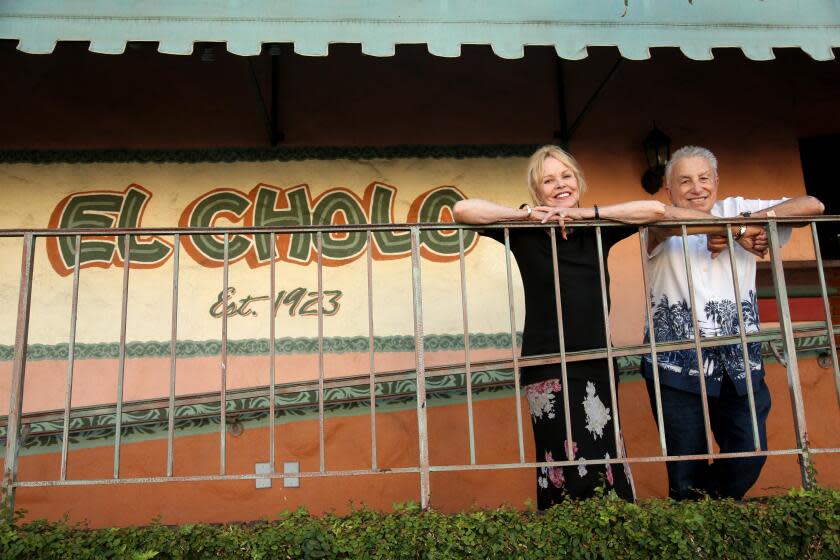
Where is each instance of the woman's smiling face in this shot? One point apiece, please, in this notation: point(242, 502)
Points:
point(558, 186)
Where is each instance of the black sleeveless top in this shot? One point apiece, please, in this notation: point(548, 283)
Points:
point(580, 295)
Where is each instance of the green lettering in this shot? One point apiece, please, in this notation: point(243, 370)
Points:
point(149, 251)
point(430, 211)
point(295, 212)
point(230, 203)
point(93, 210)
point(388, 242)
point(351, 244)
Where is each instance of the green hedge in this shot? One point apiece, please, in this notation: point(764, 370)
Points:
point(801, 524)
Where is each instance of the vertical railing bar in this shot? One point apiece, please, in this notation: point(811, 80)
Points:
point(649, 311)
point(420, 364)
point(564, 374)
point(173, 356)
point(827, 307)
point(516, 375)
point(272, 350)
point(224, 360)
point(71, 358)
point(736, 285)
point(322, 453)
point(372, 353)
point(13, 440)
point(121, 367)
point(467, 359)
point(794, 384)
point(701, 372)
point(611, 366)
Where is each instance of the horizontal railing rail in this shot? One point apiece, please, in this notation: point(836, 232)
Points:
point(401, 226)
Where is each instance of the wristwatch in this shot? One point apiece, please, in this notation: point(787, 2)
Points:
point(742, 229)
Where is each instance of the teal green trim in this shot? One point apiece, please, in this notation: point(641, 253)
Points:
point(568, 26)
point(288, 345)
point(92, 431)
point(227, 155)
point(260, 346)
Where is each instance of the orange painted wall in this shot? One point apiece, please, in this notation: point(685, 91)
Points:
point(95, 380)
point(348, 447)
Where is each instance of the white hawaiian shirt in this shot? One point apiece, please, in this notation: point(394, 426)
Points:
point(715, 303)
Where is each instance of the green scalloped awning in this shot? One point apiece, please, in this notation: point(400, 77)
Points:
point(570, 26)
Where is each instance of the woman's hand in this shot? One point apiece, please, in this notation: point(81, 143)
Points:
point(562, 215)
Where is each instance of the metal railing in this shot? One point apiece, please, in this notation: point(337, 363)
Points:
point(421, 372)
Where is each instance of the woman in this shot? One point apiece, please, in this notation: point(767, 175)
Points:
point(556, 184)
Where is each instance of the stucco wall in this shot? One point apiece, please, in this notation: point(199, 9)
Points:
point(750, 114)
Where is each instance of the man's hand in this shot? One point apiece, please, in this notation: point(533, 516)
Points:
point(754, 240)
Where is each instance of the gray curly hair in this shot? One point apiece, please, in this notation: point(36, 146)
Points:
point(687, 152)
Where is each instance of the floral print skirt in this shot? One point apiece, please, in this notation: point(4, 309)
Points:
point(593, 437)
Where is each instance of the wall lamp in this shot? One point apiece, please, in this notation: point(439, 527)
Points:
point(657, 151)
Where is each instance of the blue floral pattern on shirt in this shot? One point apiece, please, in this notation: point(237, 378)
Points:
point(672, 322)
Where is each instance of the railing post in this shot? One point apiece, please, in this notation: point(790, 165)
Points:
point(173, 356)
point(564, 372)
point(18, 374)
point(794, 384)
point(223, 362)
point(371, 354)
point(829, 327)
point(695, 327)
point(118, 415)
point(422, 430)
point(649, 313)
point(321, 441)
point(71, 359)
point(272, 352)
point(467, 360)
point(742, 330)
point(517, 383)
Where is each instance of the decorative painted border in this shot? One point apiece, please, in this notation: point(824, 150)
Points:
point(301, 345)
point(89, 431)
point(225, 155)
point(260, 346)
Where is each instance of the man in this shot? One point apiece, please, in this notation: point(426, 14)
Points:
point(691, 178)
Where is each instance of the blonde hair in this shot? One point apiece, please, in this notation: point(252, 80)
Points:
point(535, 169)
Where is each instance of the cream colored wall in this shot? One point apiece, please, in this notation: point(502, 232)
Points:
point(174, 186)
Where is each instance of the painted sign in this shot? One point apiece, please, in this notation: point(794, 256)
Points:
point(251, 194)
point(298, 301)
point(264, 205)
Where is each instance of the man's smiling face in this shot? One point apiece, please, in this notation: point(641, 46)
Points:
point(693, 184)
